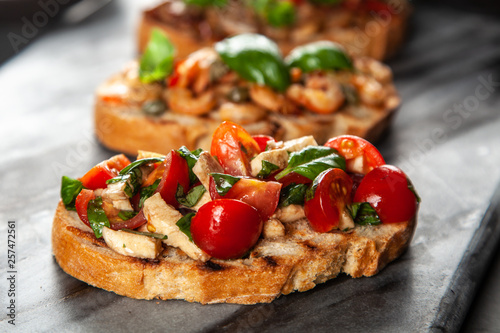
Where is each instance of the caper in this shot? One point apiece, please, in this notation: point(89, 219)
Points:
point(351, 95)
point(217, 70)
point(238, 94)
point(154, 108)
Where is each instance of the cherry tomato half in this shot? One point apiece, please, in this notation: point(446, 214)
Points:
point(295, 178)
point(386, 189)
point(361, 156)
point(262, 141)
point(134, 222)
point(176, 172)
point(262, 195)
point(226, 228)
point(234, 147)
point(332, 194)
point(81, 204)
point(97, 176)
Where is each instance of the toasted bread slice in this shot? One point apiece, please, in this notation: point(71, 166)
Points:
point(374, 32)
point(121, 124)
point(280, 263)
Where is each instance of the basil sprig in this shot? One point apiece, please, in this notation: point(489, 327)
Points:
point(311, 161)
point(191, 158)
point(192, 197)
point(184, 224)
point(363, 213)
point(149, 234)
point(158, 58)
point(267, 169)
point(321, 55)
point(206, 3)
point(255, 58)
point(97, 217)
point(293, 194)
point(70, 188)
point(277, 13)
point(223, 182)
point(132, 175)
point(147, 192)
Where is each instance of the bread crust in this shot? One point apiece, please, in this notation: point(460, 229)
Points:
point(295, 262)
point(359, 40)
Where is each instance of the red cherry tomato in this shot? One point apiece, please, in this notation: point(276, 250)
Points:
point(262, 141)
point(176, 172)
point(97, 176)
point(386, 189)
point(81, 204)
point(226, 228)
point(262, 195)
point(361, 156)
point(332, 194)
point(234, 147)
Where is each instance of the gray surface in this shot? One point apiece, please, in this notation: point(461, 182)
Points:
point(46, 129)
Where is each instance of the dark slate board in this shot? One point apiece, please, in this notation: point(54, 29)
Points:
point(452, 158)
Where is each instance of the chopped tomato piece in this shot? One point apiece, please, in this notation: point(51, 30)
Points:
point(97, 176)
point(360, 155)
point(234, 147)
point(81, 204)
point(332, 194)
point(263, 195)
point(176, 173)
point(262, 141)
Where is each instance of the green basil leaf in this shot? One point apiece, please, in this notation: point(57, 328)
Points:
point(277, 13)
point(223, 182)
point(412, 188)
point(132, 175)
point(364, 214)
point(206, 3)
point(255, 58)
point(149, 234)
point(184, 224)
point(70, 188)
point(191, 158)
point(293, 194)
point(321, 55)
point(157, 61)
point(126, 215)
point(147, 192)
point(192, 197)
point(141, 162)
point(311, 161)
point(267, 169)
point(97, 217)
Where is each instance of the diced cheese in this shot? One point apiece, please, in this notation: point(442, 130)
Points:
point(115, 194)
point(273, 228)
point(345, 220)
point(279, 155)
point(299, 144)
point(206, 165)
point(132, 245)
point(163, 218)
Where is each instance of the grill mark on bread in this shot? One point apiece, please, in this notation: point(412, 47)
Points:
point(212, 266)
point(270, 261)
